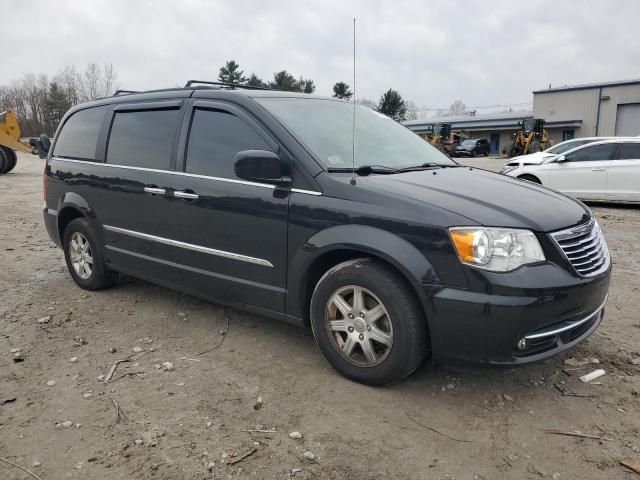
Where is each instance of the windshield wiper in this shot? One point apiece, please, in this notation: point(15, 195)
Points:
point(425, 166)
point(365, 170)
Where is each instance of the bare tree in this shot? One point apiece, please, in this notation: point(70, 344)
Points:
point(412, 111)
point(40, 102)
point(457, 108)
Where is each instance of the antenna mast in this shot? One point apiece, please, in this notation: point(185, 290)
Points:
point(353, 136)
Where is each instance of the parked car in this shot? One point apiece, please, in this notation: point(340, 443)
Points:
point(472, 147)
point(537, 158)
point(253, 199)
point(606, 170)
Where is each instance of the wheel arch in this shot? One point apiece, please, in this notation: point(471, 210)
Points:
point(335, 245)
point(530, 177)
point(72, 206)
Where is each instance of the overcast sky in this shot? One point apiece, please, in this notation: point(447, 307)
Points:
point(485, 53)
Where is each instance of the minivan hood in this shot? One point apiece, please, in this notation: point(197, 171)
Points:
point(485, 197)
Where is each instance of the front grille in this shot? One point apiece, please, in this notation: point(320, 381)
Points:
point(585, 248)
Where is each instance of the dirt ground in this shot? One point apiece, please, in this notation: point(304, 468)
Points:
point(192, 421)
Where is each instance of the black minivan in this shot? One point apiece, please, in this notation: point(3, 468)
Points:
point(253, 199)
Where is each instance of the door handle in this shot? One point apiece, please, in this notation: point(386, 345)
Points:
point(598, 169)
point(185, 195)
point(155, 191)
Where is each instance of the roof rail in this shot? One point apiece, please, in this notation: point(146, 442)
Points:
point(225, 84)
point(120, 92)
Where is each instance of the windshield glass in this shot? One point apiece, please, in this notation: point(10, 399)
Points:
point(565, 147)
point(469, 143)
point(325, 127)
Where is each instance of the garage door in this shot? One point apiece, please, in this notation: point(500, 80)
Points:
point(628, 120)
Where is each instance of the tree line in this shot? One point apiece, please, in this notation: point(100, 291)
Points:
point(391, 102)
point(40, 101)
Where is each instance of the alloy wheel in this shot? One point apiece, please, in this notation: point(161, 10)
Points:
point(81, 255)
point(359, 326)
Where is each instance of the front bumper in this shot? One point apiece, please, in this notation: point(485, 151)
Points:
point(546, 305)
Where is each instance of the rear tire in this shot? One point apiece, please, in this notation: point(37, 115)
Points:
point(515, 150)
point(84, 257)
point(368, 323)
point(530, 178)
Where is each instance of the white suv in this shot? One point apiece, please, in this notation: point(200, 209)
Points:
point(606, 170)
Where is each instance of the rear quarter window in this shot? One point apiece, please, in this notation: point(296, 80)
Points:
point(630, 151)
point(143, 138)
point(79, 134)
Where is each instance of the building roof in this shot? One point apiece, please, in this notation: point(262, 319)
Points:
point(588, 86)
point(477, 122)
point(489, 121)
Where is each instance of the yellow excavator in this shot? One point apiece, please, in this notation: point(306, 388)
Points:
point(10, 142)
point(443, 138)
point(531, 137)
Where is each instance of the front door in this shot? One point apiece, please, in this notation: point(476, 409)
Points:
point(623, 179)
point(494, 140)
point(584, 173)
point(232, 233)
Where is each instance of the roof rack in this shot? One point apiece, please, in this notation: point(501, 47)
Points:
point(225, 84)
point(126, 92)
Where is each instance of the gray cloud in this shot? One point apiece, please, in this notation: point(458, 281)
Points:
point(482, 52)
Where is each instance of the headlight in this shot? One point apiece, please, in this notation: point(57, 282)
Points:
point(496, 249)
point(508, 168)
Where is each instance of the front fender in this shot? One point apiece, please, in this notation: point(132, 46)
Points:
point(391, 248)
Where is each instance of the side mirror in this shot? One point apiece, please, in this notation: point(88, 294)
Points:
point(561, 159)
point(262, 166)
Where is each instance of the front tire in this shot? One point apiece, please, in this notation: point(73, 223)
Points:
point(10, 160)
point(84, 257)
point(368, 323)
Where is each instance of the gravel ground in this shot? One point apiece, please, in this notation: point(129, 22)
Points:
point(193, 420)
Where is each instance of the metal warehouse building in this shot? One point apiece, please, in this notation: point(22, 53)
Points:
point(598, 109)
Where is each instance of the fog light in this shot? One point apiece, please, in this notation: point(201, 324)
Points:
point(522, 344)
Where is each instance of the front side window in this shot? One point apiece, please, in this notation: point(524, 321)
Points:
point(79, 135)
point(325, 127)
point(630, 151)
point(593, 153)
point(215, 138)
point(143, 138)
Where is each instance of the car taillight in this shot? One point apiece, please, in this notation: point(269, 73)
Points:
point(44, 182)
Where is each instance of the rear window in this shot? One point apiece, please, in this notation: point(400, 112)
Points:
point(142, 138)
point(79, 135)
point(630, 151)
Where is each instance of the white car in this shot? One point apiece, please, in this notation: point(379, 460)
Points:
point(606, 170)
point(538, 157)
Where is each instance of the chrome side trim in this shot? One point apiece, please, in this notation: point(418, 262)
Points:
point(188, 268)
point(555, 331)
point(189, 246)
point(185, 174)
point(51, 211)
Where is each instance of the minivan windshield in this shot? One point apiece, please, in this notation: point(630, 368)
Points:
point(325, 127)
